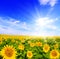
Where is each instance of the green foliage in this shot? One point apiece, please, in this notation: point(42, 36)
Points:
point(37, 51)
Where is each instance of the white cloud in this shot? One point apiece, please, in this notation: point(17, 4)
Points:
point(40, 26)
point(13, 23)
point(45, 26)
point(10, 31)
point(43, 2)
point(45, 23)
point(12, 26)
point(50, 2)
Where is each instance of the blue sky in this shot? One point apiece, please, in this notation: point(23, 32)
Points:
point(30, 17)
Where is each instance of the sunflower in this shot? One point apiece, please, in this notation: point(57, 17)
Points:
point(13, 40)
point(0, 52)
point(0, 41)
point(54, 54)
point(29, 54)
point(56, 46)
point(39, 43)
point(45, 40)
point(46, 48)
point(21, 47)
point(29, 42)
point(8, 52)
point(59, 54)
point(23, 40)
point(32, 44)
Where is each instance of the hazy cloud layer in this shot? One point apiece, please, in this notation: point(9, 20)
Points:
point(39, 27)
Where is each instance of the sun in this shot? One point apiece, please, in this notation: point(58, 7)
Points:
point(8, 52)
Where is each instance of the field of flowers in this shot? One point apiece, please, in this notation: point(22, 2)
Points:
point(16, 48)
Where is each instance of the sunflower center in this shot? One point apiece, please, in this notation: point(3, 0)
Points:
point(29, 54)
point(9, 52)
point(54, 53)
point(46, 48)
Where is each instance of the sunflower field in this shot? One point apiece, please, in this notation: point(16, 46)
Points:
point(33, 48)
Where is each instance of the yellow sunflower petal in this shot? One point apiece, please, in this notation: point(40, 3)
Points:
point(54, 54)
point(29, 54)
point(38, 43)
point(46, 48)
point(8, 52)
point(32, 44)
point(21, 47)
